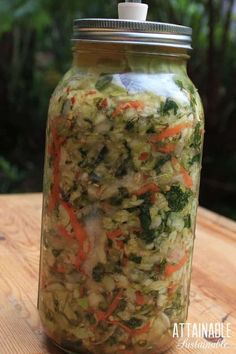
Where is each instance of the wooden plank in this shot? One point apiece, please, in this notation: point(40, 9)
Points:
point(212, 296)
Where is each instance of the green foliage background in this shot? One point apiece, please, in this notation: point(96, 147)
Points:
point(35, 52)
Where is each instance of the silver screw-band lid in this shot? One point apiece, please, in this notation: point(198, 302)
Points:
point(132, 32)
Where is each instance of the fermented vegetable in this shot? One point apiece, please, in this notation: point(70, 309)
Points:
point(121, 190)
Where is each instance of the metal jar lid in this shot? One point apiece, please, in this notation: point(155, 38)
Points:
point(132, 32)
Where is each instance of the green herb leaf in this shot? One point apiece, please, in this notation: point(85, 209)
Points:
point(56, 252)
point(196, 158)
point(180, 84)
point(147, 234)
point(129, 125)
point(122, 305)
point(177, 199)
point(162, 265)
point(95, 178)
point(98, 272)
point(134, 322)
point(118, 199)
point(187, 221)
point(197, 136)
point(168, 106)
point(83, 152)
point(161, 162)
point(134, 258)
point(151, 130)
point(122, 169)
point(91, 318)
point(103, 82)
point(192, 91)
point(101, 155)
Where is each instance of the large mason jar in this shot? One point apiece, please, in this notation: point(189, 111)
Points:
point(122, 169)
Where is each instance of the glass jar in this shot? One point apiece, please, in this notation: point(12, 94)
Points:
point(122, 169)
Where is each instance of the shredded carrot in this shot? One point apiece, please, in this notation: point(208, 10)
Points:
point(80, 233)
point(77, 175)
point(143, 156)
point(102, 315)
point(139, 298)
point(169, 132)
point(171, 288)
point(114, 233)
point(186, 177)
point(73, 99)
point(134, 229)
point(63, 232)
point(153, 198)
point(126, 105)
point(91, 92)
point(125, 261)
point(168, 148)
point(172, 268)
point(103, 103)
point(120, 244)
point(81, 291)
point(141, 330)
point(78, 229)
point(145, 176)
point(150, 187)
point(60, 269)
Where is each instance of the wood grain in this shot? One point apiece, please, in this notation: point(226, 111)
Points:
point(213, 288)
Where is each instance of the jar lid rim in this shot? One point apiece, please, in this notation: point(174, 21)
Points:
point(130, 31)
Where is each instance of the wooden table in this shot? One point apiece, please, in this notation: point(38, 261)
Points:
point(213, 288)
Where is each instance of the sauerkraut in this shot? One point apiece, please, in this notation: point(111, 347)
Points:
point(121, 192)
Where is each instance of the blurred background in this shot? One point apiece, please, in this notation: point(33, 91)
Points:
point(35, 52)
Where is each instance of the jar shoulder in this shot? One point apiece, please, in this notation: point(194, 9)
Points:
point(85, 89)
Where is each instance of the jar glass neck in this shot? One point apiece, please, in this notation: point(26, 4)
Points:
point(108, 57)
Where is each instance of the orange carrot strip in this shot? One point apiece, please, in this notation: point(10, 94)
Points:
point(171, 289)
point(168, 148)
point(73, 99)
point(169, 132)
point(82, 291)
point(60, 269)
point(186, 177)
point(143, 156)
point(153, 198)
point(150, 187)
point(126, 105)
point(78, 229)
point(141, 330)
point(139, 298)
point(103, 103)
point(145, 176)
point(63, 232)
point(80, 233)
point(120, 244)
point(172, 268)
point(102, 315)
point(135, 229)
point(114, 233)
point(91, 92)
